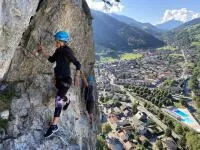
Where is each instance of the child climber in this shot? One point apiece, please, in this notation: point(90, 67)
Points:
point(89, 96)
point(63, 56)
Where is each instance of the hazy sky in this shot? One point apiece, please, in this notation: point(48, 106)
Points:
point(154, 11)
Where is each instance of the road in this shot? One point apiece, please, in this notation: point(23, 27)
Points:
point(154, 118)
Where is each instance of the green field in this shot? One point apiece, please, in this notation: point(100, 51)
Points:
point(196, 44)
point(108, 59)
point(176, 55)
point(130, 56)
point(167, 48)
point(189, 65)
point(125, 56)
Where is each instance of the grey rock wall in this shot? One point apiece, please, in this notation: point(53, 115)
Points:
point(14, 19)
point(33, 107)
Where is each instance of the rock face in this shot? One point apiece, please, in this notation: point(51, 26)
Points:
point(14, 19)
point(32, 74)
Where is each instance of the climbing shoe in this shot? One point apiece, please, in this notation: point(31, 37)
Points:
point(52, 129)
point(66, 105)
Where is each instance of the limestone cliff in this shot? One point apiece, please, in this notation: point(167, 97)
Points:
point(14, 19)
point(31, 74)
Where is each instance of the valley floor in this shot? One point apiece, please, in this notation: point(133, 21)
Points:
point(136, 96)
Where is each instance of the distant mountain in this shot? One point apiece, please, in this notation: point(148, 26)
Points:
point(109, 33)
point(125, 19)
point(149, 28)
point(169, 25)
point(190, 23)
point(184, 35)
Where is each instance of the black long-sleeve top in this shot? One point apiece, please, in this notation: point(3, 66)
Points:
point(63, 56)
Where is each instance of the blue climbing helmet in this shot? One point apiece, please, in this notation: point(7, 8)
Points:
point(90, 79)
point(62, 36)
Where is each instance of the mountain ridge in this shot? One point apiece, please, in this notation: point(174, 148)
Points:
point(185, 35)
point(113, 34)
point(147, 27)
point(189, 23)
point(169, 25)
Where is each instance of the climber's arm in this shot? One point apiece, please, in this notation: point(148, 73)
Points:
point(72, 58)
point(85, 83)
point(51, 59)
point(78, 73)
point(75, 62)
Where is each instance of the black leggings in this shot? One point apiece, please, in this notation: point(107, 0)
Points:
point(89, 106)
point(63, 85)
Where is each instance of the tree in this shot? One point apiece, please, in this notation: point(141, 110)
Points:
point(106, 128)
point(145, 104)
point(146, 90)
point(160, 115)
point(142, 147)
point(183, 102)
point(100, 144)
point(137, 139)
point(140, 93)
point(134, 107)
point(186, 129)
point(156, 102)
point(102, 99)
point(197, 101)
point(126, 86)
point(120, 99)
point(133, 88)
point(110, 3)
point(179, 130)
point(168, 102)
point(192, 83)
point(160, 104)
point(153, 100)
point(106, 99)
point(182, 142)
point(146, 143)
point(193, 140)
point(168, 132)
point(159, 144)
point(170, 123)
point(131, 136)
point(143, 95)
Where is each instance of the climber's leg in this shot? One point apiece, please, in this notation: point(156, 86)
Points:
point(66, 85)
point(58, 107)
point(89, 108)
point(67, 102)
point(52, 129)
point(62, 87)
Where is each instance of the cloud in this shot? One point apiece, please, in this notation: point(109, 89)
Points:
point(99, 5)
point(182, 14)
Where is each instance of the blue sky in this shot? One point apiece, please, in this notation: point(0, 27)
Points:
point(153, 10)
point(157, 11)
